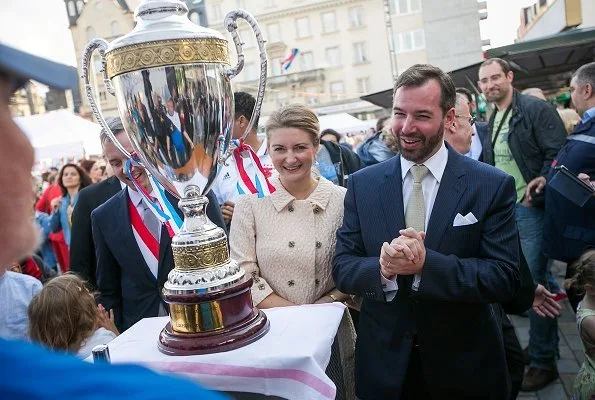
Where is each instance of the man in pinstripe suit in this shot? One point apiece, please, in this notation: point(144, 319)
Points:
point(429, 241)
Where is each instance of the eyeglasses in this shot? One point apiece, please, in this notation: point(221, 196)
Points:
point(469, 118)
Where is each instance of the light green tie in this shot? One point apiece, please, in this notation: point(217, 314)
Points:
point(415, 216)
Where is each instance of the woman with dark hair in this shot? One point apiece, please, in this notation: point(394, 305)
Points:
point(71, 179)
point(93, 169)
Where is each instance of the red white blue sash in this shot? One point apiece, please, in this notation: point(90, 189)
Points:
point(260, 185)
point(147, 243)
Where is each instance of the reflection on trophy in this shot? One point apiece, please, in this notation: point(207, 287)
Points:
point(172, 82)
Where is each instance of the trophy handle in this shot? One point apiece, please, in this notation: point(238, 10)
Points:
point(232, 26)
point(101, 45)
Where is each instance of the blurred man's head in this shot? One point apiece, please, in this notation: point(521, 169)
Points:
point(243, 107)
point(534, 92)
point(330, 135)
point(460, 132)
point(116, 159)
point(582, 86)
point(19, 236)
point(495, 79)
point(469, 96)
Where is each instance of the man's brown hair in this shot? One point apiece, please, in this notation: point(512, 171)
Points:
point(418, 74)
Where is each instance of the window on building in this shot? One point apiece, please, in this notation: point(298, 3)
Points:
point(333, 56)
point(97, 64)
point(71, 9)
point(359, 53)
point(363, 85)
point(282, 99)
point(337, 89)
point(247, 39)
point(250, 72)
point(356, 17)
point(216, 12)
point(409, 41)
point(90, 33)
point(274, 32)
point(302, 27)
point(115, 26)
point(400, 7)
point(312, 95)
point(306, 60)
point(329, 22)
point(102, 94)
point(79, 6)
point(194, 17)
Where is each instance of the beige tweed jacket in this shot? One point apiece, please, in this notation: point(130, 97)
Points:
point(287, 245)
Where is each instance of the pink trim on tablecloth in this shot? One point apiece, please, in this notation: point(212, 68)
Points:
point(249, 372)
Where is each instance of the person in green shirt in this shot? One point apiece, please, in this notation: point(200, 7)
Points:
point(523, 138)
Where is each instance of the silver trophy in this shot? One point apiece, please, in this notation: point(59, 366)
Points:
point(172, 81)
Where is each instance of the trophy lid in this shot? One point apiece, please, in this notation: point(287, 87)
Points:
point(164, 35)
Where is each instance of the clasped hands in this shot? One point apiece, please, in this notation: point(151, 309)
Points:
point(404, 255)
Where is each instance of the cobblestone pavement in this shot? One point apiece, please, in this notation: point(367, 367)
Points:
point(571, 349)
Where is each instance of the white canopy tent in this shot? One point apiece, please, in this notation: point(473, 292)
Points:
point(61, 134)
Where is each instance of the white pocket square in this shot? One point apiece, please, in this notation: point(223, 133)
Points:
point(468, 219)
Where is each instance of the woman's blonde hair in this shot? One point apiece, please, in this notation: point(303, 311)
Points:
point(62, 314)
point(585, 272)
point(295, 116)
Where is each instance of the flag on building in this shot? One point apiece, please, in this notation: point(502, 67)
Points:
point(285, 64)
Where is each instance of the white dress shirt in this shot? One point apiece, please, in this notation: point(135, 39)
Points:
point(476, 146)
point(430, 185)
point(225, 186)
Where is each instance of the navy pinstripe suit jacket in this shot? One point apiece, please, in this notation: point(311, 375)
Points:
point(466, 269)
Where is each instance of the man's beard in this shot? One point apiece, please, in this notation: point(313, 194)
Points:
point(496, 97)
point(429, 144)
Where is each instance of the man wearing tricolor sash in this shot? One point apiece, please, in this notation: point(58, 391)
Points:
point(132, 240)
point(248, 169)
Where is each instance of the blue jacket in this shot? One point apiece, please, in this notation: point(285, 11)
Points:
point(33, 372)
point(568, 229)
point(59, 219)
point(466, 268)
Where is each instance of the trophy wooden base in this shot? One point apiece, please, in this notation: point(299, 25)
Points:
point(205, 323)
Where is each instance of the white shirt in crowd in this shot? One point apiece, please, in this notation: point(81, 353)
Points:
point(476, 146)
point(175, 119)
point(226, 184)
point(430, 185)
point(16, 292)
point(100, 336)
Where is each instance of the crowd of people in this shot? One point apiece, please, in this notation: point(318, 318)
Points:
point(432, 230)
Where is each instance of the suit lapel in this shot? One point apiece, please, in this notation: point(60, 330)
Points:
point(392, 198)
point(449, 194)
point(124, 237)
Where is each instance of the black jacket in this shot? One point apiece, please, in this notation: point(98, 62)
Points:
point(82, 247)
point(124, 280)
point(348, 161)
point(536, 133)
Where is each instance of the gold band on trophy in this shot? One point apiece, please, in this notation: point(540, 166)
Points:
point(196, 318)
point(201, 256)
point(165, 53)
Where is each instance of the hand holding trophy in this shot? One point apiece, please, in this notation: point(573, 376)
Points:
point(172, 81)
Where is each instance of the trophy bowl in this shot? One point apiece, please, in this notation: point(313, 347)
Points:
point(172, 81)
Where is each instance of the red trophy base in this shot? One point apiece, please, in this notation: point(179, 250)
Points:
point(205, 323)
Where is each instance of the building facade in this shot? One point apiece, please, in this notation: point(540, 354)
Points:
point(548, 17)
point(27, 101)
point(345, 48)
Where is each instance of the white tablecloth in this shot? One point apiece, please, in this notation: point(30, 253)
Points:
point(289, 361)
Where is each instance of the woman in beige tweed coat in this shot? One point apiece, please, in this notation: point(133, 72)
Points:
point(286, 241)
